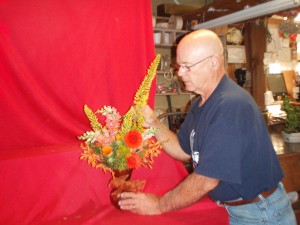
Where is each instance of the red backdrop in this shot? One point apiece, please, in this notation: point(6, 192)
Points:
point(56, 56)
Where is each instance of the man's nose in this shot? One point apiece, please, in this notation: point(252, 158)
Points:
point(180, 71)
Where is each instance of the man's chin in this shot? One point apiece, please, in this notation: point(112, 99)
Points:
point(188, 88)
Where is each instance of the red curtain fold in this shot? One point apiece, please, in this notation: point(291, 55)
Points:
point(58, 188)
point(56, 56)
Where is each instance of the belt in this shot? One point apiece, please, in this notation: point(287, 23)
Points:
point(256, 199)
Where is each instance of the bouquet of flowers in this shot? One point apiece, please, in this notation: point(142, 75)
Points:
point(122, 143)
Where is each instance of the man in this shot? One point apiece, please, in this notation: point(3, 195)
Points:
point(226, 136)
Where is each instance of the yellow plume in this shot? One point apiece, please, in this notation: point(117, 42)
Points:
point(92, 118)
point(142, 94)
point(133, 118)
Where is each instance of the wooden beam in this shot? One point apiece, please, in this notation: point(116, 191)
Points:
point(220, 8)
point(167, 10)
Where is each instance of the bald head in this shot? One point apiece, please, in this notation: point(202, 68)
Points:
point(201, 43)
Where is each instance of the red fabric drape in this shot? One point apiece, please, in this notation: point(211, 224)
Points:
point(58, 188)
point(56, 56)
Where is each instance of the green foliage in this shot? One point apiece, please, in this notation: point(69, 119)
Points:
point(292, 116)
point(118, 158)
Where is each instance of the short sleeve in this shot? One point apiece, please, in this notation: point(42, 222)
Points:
point(222, 145)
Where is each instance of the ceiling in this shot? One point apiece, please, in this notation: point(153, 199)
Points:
point(203, 10)
point(220, 8)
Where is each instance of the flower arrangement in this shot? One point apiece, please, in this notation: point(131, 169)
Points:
point(123, 142)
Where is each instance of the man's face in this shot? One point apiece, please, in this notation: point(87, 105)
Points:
point(193, 70)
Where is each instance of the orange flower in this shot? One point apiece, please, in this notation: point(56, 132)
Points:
point(134, 161)
point(98, 144)
point(106, 150)
point(133, 139)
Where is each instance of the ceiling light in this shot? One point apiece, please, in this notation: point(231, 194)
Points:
point(297, 18)
point(212, 9)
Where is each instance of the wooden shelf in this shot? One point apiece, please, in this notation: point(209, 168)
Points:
point(174, 98)
point(295, 103)
point(168, 36)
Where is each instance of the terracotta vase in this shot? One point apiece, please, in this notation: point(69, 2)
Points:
point(121, 182)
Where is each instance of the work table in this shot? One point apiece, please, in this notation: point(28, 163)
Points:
point(282, 147)
point(289, 157)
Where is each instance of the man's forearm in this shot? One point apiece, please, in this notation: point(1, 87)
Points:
point(171, 145)
point(170, 142)
point(191, 190)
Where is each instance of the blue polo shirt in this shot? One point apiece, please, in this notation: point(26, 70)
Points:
point(228, 140)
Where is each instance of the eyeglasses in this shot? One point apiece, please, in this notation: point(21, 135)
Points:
point(188, 68)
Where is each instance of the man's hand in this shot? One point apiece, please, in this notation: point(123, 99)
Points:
point(193, 188)
point(149, 117)
point(140, 203)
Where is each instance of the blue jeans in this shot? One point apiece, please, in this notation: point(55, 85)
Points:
point(275, 209)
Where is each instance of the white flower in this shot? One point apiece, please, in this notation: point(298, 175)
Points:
point(148, 133)
point(90, 136)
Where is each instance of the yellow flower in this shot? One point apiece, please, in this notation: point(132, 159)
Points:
point(118, 137)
